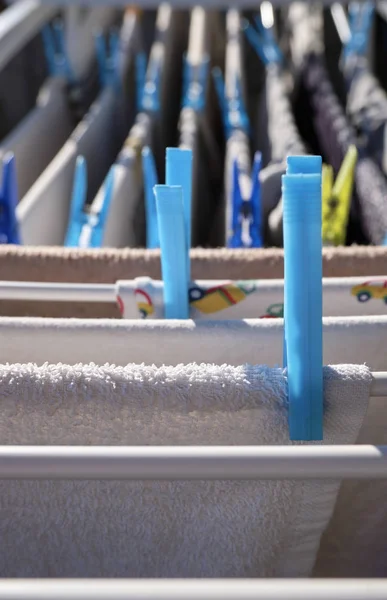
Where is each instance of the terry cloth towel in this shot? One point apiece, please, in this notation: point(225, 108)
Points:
point(165, 529)
point(353, 339)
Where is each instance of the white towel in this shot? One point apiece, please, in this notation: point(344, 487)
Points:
point(346, 340)
point(165, 529)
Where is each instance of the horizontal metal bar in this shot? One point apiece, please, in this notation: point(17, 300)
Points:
point(20, 23)
point(193, 589)
point(57, 292)
point(193, 462)
point(183, 4)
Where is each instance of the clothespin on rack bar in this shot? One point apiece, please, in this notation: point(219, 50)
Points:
point(9, 229)
point(301, 190)
point(263, 42)
point(92, 233)
point(108, 55)
point(360, 22)
point(140, 63)
point(194, 84)
point(86, 226)
point(336, 199)
point(77, 217)
point(179, 173)
point(247, 211)
point(150, 181)
point(150, 95)
point(170, 212)
point(232, 105)
point(55, 51)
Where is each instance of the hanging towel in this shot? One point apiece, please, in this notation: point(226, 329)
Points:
point(165, 529)
point(354, 543)
point(354, 339)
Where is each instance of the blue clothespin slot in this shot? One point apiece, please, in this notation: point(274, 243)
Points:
point(150, 181)
point(150, 98)
point(247, 209)
point(194, 84)
point(9, 229)
point(360, 17)
point(173, 245)
point(55, 51)
point(77, 218)
point(179, 173)
point(263, 42)
point(140, 77)
point(233, 108)
point(97, 221)
point(108, 59)
point(302, 220)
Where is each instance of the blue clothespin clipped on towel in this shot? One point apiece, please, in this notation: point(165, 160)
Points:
point(173, 203)
point(108, 59)
point(55, 51)
point(246, 213)
point(302, 198)
point(9, 229)
point(87, 224)
point(360, 17)
point(263, 42)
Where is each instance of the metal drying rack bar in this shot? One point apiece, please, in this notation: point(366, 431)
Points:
point(193, 589)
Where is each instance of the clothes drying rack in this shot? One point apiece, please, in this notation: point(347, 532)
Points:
point(171, 463)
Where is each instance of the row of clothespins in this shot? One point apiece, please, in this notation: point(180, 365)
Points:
point(69, 192)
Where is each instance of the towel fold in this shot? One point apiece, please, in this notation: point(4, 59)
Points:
point(165, 529)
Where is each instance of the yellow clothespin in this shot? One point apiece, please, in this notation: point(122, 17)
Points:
point(336, 199)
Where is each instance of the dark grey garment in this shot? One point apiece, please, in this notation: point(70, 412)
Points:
point(335, 134)
point(20, 82)
point(284, 139)
point(367, 109)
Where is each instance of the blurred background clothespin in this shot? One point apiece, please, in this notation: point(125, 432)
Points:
point(9, 229)
point(336, 199)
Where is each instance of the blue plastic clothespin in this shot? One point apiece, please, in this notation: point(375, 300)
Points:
point(78, 217)
point(81, 219)
point(150, 97)
point(247, 209)
point(55, 51)
point(97, 221)
point(360, 17)
point(232, 106)
point(194, 84)
point(9, 229)
point(302, 219)
point(150, 181)
point(108, 59)
point(140, 62)
point(173, 245)
point(179, 173)
point(263, 42)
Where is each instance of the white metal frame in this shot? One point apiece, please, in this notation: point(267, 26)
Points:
point(193, 589)
point(193, 462)
point(19, 23)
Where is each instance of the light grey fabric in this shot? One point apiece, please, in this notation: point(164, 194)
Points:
point(165, 529)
